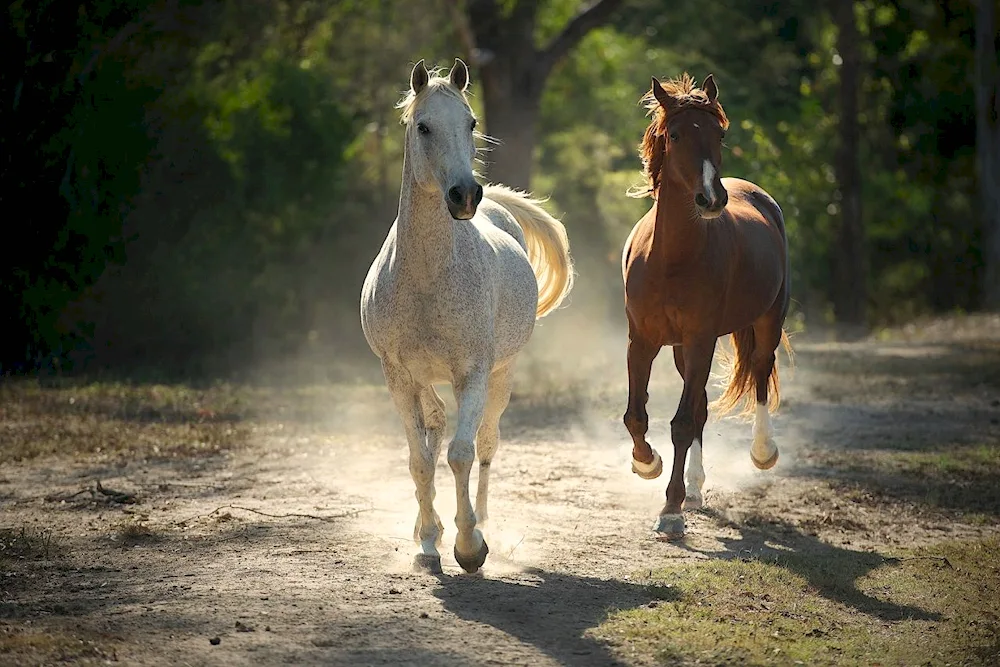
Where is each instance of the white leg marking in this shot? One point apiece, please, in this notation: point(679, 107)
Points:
point(763, 447)
point(694, 477)
point(649, 470)
point(461, 456)
point(707, 176)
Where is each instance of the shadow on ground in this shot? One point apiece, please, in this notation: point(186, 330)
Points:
point(831, 571)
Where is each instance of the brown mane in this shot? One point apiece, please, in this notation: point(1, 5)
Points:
point(653, 146)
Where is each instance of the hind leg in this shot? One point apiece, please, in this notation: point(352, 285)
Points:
point(767, 337)
point(488, 437)
point(434, 425)
point(694, 473)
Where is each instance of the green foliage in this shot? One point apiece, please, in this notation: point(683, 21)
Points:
point(203, 183)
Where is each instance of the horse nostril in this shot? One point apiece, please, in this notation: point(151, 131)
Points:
point(455, 195)
point(479, 194)
point(701, 200)
point(723, 200)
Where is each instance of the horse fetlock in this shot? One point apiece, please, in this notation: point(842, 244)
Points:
point(636, 423)
point(431, 531)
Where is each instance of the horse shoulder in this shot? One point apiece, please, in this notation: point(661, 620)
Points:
point(502, 219)
point(758, 198)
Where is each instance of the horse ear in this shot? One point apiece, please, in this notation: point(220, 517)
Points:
point(419, 77)
point(710, 89)
point(459, 75)
point(661, 95)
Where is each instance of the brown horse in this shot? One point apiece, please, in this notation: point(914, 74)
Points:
point(710, 258)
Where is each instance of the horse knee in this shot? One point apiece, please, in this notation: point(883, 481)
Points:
point(682, 430)
point(461, 455)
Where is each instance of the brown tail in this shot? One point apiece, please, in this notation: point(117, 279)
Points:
point(740, 384)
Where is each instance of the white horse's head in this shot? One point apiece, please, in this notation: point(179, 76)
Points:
point(440, 144)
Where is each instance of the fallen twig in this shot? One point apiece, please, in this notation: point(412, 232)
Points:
point(117, 496)
point(511, 552)
point(97, 492)
point(331, 517)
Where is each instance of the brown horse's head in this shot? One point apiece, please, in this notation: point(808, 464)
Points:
point(683, 143)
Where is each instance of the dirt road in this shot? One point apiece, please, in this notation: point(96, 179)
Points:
point(291, 542)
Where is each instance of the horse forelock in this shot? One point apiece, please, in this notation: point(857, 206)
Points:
point(653, 147)
point(437, 85)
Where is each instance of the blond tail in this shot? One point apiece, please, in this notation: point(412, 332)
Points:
point(740, 383)
point(548, 245)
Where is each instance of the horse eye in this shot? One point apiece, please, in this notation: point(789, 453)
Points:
point(423, 129)
point(673, 136)
point(474, 123)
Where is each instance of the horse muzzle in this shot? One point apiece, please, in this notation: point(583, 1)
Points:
point(463, 200)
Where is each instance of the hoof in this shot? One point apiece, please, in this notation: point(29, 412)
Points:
point(693, 503)
point(472, 563)
point(650, 470)
point(765, 465)
point(670, 527)
point(427, 563)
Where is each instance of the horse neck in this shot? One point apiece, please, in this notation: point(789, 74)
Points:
point(679, 233)
point(424, 235)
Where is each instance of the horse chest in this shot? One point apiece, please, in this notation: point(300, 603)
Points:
point(663, 310)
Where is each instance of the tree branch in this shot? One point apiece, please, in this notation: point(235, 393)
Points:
point(594, 16)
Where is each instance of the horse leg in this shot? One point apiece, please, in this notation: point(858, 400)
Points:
point(435, 421)
point(683, 429)
point(488, 437)
point(646, 462)
point(767, 337)
point(406, 395)
point(694, 473)
point(470, 393)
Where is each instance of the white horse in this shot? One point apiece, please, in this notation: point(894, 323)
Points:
point(453, 296)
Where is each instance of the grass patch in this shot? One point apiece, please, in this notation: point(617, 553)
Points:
point(132, 531)
point(938, 605)
point(102, 420)
point(20, 544)
point(960, 478)
point(19, 646)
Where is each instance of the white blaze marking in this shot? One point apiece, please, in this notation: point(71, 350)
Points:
point(707, 176)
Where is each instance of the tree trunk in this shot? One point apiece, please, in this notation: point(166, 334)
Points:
point(501, 45)
point(850, 289)
point(511, 119)
point(988, 146)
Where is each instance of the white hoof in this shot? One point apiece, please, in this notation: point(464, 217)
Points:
point(650, 470)
point(693, 501)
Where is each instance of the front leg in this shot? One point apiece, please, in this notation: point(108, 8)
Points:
point(684, 427)
point(470, 394)
point(646, 462)
point(406, 395)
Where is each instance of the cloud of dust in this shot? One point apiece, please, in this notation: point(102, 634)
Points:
point(570, 391)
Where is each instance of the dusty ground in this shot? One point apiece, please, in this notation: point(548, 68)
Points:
point(885, 443)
